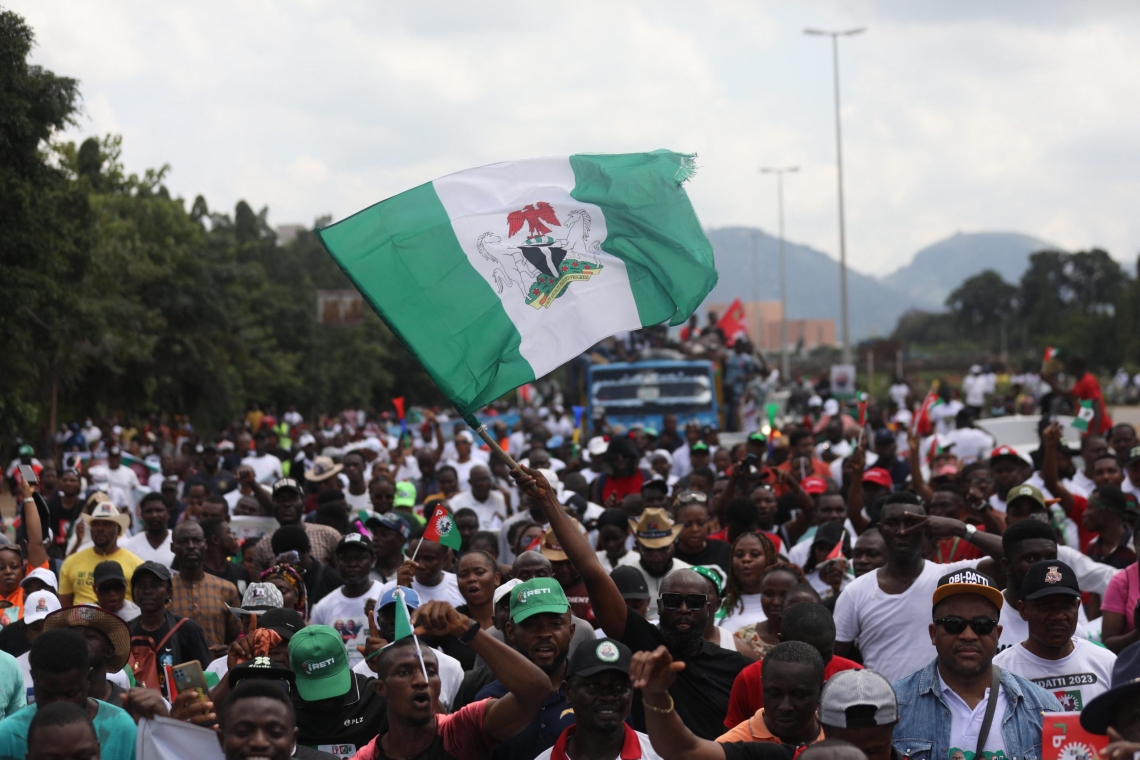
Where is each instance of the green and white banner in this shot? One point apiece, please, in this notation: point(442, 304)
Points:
point(495, 276)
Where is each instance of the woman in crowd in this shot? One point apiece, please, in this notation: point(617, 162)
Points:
point(291, 585)
point(693, 545)
point(613, 537)
point(752, 553)
point(774, 584)
point(478, 576)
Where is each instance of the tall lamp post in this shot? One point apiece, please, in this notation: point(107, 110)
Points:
point(835, 35)
point(785, 361)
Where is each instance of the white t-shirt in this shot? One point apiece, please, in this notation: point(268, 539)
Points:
point(463, 469)
point(1073, 680)
point(450, 676)
point(633, 559)
point(347, 617)
point(122, 477)
point(970, 444)
point(491, 512)
point(266, 468)
point(753, 612)
point(898, 393)
point(357, 503)
point(647, 751)
point(140, 546)
point(824, 589)
point(943, 416)
point(892, 629)
point(974, 387)
point(966, 724)
point(447, 590)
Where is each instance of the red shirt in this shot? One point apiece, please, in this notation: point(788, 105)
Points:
point(622, 487)
point(748, 689)
point(1088, 389)
point(956, 549)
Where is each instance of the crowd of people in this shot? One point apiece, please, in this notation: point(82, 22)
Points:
point(823, 588)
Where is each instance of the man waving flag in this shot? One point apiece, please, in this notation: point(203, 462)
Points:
point(493, 277)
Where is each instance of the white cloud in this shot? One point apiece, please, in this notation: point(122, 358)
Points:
point(970, 116)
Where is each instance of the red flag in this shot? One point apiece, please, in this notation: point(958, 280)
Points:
point(922, 424)
point(733, 323)
point(837, 551)
point(399, 404)
point(441, 529)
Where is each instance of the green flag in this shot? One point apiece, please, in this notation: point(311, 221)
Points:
point(494, 277)
point(403, 618)
point(1084, 416)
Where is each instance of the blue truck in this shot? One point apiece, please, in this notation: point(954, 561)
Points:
point(642, 393)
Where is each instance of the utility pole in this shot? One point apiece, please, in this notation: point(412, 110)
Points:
point(785, 360)
point(835, 35)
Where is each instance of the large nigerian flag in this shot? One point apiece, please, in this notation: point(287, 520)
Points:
point(495, 276)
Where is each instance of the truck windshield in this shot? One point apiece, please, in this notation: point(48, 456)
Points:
point(653, 391)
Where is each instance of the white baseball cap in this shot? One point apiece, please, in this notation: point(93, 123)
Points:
point(504, 589)
point(39, 605)
point(42, 574)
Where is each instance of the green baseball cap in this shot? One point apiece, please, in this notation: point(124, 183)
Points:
point(26, 451)
point(536, 596)
point(319, 660)
point(405, 495)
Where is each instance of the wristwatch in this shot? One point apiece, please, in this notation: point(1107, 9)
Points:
point(970, 531)
point(470, 634)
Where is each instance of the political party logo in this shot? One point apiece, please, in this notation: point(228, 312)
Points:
point(443, 524)
point(607, 652)
point(541, 266)
point(528, 593)
point(1070, 700)
point(312, 666)
point(1053, 575)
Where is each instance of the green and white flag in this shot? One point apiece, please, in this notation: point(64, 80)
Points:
point(493, 277)
point(1084, 416)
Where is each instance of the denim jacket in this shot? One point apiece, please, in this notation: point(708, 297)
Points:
point(923, 730)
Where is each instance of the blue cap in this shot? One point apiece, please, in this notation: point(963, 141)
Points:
point(411, 598)
point(391, 521)
point(554, 442)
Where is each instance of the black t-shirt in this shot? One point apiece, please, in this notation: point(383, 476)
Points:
point(320, 581)
point(473, 683)
point(715, 553)
point(12, 639)
point(757, 751)
point(701, 690)
point(349, 726)
point(188, 643)
point(234, 573)
point(61, 519)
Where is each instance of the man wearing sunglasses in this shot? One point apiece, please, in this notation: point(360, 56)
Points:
point(701, 690)
point(961, 702)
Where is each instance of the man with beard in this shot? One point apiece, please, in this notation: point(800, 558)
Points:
point(409, 680)
point(1008, 470)
point(939, 704)
point(540, 630)
point(701, 690)
point(77, 576)
point(598, 689)
point(200, 596)
point(792, 673)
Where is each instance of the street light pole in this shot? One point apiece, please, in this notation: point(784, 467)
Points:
point(785, 361)
point(835, 35)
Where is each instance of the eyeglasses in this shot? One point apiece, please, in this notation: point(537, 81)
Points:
point(671, 600)
point(955, 624)
point(692, 497)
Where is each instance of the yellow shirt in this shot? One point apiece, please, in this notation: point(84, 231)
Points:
point(77, 574)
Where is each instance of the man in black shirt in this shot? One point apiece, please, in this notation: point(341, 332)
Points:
point(259, 721)
point(152, 590)
point(220, 546)
point(702, 689)
point(338, 711)
point(320, 579)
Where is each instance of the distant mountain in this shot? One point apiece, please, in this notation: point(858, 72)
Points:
point(937, 269)
point(813, 282)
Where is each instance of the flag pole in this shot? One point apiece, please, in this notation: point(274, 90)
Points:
point(490, 441)
point(415, 638)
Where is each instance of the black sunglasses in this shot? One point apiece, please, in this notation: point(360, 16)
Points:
point(671, 600)
point(955, 624)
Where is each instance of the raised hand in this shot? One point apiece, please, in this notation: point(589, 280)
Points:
point(438, 618)
point(654, 672)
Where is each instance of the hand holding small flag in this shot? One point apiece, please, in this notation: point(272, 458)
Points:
point(532, 482)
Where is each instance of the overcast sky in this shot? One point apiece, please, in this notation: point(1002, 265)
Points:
point(965, 116)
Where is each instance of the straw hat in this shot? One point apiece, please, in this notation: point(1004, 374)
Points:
point(654, 529)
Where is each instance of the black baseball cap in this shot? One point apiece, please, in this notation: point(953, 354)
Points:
point(354, 539)
point(591, 659)
point(154, 568)
point(107, 570)
point(282, 621)
point(262, 668)
point(1133, 455)
point(630, 582)
point(1049, 577)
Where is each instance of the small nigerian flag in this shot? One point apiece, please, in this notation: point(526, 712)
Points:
point(494, 277)
point(1084, 416)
